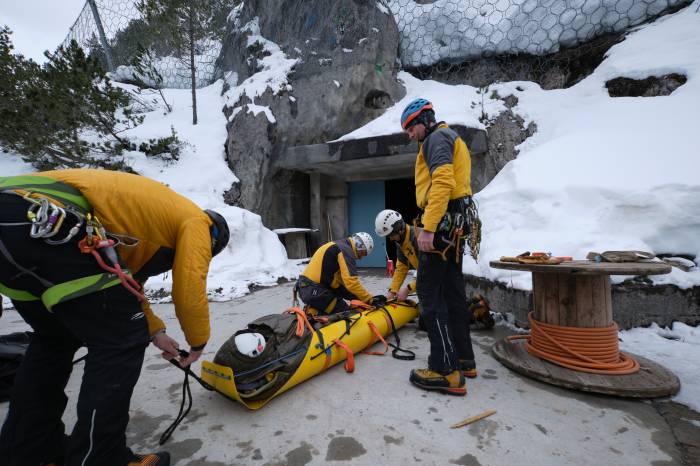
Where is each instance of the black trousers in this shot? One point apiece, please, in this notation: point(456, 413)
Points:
point(319, 297)
point(109, 323)
point(444, 310)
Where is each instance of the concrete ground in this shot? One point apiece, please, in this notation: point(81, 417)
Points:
point(375, 416)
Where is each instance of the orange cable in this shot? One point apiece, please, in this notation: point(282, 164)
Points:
point(594, 350)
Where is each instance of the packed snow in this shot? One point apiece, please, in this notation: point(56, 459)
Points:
point(465, 29)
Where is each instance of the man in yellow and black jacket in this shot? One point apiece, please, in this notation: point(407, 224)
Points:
point(443, 190)
point(331, 276)
point(71, 301)
point(390, 224)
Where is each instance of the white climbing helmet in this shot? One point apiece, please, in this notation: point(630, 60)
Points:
point(363, 242)
point(250, 344)
point(386, 222)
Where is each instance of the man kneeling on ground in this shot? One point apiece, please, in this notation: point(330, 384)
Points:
point(331, 276)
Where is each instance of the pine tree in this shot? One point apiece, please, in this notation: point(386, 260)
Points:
point(46, 111)
point(185, 25)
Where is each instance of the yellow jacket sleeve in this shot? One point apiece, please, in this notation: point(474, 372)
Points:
point(442, 183)
point(155, 325)
point(352, 282)
point(190, 268)
point(399, 276)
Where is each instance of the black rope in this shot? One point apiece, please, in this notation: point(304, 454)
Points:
point(410, 355)
point(187, 393)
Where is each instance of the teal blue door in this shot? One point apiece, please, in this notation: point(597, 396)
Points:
point(366, 200)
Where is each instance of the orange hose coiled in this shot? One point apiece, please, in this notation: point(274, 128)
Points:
point(594, 350)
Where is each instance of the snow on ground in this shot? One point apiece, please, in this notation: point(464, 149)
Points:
point(465, 29)
point(452, 104)
point(677, 349)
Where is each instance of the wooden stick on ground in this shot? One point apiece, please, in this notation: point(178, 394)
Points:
point(474, 418)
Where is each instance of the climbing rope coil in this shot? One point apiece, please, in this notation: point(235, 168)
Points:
point(593, 350)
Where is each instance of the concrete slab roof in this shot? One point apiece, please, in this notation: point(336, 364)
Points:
point(377, 158)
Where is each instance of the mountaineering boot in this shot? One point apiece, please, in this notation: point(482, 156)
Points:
point(161, 458)
point(452, 383)
point(468, 368)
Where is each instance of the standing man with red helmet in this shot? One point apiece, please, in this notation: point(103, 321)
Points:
point(443, 191)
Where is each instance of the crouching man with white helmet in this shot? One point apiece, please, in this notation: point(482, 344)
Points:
point(331, 276)
point(389, 223)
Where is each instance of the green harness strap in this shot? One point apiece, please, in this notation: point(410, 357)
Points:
point(72, 197)
point(56, 190)
point(16, 295)
point(76, 288)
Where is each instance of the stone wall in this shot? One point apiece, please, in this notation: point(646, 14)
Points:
point(635, 303)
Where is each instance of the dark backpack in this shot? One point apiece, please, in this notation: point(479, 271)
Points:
point(259, 377)
point(12, 350)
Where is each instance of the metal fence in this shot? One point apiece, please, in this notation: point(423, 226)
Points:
point(113, 30)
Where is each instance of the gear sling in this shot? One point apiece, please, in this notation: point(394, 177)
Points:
point(51, 203)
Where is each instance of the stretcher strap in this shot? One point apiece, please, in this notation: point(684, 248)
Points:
point(379, 336)
point(350, 361)
point(301, 320)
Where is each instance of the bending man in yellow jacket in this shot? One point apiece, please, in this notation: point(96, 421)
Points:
point(331, 276)
point(71, 300)
point(443, 191)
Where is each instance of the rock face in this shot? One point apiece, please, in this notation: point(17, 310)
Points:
point(346, 77)
point(652, 86)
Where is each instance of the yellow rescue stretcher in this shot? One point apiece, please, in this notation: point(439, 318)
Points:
point(331, 344)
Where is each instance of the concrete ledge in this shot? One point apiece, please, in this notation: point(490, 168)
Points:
point(380, 157)
point(635, 304)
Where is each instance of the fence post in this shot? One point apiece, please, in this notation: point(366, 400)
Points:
point(103, 38)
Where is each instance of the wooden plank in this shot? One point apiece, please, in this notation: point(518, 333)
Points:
point(585, 310)
point(551, 298)
point(567, 299)
point(653, 380)
point(538, 288)
point(608, 310)
point(590, 268)
point(599, 301)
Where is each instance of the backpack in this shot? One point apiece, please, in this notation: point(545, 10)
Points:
point(260, 376)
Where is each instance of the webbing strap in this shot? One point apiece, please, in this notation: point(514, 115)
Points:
point(379, 336)
point(76, 288)
point(58, 191)
point(5, 252)
point(17, 295)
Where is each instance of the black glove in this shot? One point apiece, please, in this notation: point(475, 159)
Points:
point(379, 300)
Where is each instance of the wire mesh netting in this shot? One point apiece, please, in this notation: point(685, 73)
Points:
point(113, 30)
point(438, 38)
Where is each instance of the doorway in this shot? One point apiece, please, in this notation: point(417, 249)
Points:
point(400, 195)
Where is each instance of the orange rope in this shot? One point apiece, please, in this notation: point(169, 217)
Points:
point(301, 320)
point(594, 350)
